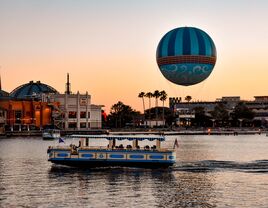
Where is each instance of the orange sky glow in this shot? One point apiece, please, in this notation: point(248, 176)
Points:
point(109, 47)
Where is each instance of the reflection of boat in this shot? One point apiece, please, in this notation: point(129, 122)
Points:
point(113, 155)
point(50, 134)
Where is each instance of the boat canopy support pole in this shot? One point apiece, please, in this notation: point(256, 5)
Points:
point(82, 142)
point(112, 143)
point(135, 143)
point(158, 144)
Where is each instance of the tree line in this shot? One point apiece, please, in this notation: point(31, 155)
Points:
point(122, 115)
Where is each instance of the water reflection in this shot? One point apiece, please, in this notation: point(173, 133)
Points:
point(211, 171)
point(130, 187)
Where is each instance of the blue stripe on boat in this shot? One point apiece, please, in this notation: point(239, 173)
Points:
point(171, 157)
point(87, 155)
point(156, 157)
point(116, 156)
point(136, 156)
point(62, 154)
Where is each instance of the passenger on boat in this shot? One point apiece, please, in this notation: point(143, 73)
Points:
point(147, 147)
point(121, 146)
point(153, 147)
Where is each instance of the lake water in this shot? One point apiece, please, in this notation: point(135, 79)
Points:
point(211, 171)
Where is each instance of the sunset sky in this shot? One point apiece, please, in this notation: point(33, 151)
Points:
point(109, 46)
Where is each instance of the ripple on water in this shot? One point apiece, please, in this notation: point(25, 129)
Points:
point(207, 174)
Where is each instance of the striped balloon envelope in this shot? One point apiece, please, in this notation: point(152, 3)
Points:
point(186, 55)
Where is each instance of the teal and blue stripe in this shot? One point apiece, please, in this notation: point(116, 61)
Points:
point(186, 41)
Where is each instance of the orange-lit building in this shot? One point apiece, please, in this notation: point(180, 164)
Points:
point(35, 105)
point(27, 114)
point(24, 109)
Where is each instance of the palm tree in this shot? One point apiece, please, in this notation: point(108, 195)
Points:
point(149, 95)
point(142, 95)
point(117, 109)
point(188, 98)
point(163, 97)
point(156, 95)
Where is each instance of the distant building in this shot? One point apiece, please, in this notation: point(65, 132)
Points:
point(3, 116)
point(260, 107)
point(185, 110)
point(27, 114)
point(261, 98)
point(36, 105)
point(23, 108)
point(230, 99)
point(32, 90)
point(154, 123)
point(76, 110)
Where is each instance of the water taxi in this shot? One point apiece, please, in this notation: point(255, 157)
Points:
point(51, 134)
point(113, 155)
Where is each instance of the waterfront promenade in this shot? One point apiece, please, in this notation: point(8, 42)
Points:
point(124, 131)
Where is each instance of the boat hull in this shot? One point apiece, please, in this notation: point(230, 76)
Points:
point(96, 164)
point(51, 134)
point(49, 138)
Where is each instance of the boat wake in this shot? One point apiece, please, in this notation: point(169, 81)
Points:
point(257, 166)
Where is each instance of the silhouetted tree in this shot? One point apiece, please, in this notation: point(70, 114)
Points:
point(142, 95)
point(156, 95)
point(120, 114)
point(220, 113)
point(188, 98)
point(241, 111)
point(201, 119)
point(163, 98)
point(149, 95)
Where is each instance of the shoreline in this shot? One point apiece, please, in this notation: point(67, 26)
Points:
point(166, 132)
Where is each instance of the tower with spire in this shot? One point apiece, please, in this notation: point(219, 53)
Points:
point(68, 86)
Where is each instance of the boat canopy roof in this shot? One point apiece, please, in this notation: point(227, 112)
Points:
point(121, 137)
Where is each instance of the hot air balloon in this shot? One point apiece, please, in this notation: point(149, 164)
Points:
point(186, 55)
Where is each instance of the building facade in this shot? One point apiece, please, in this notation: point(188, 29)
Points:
point(36, 105)
point(27, 115)
point(259, 106)
point(77, 112)
point(3, 116)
